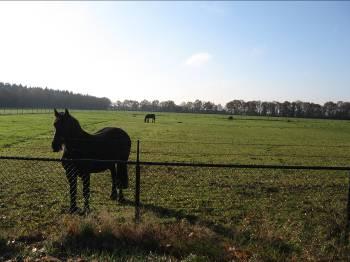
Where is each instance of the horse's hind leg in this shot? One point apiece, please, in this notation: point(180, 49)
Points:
point(86, 191)
point(114, 193)
point(122, 179)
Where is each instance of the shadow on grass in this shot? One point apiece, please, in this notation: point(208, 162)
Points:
point(273, 247)
point(102, 236)
point(7, 249)
point(266, 245)
point(190, 234)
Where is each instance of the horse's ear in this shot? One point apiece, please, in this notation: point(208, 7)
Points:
point(66, 113)
point(56, 113)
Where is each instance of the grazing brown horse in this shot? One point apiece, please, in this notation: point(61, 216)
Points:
point(109, 143)
point(150, 116)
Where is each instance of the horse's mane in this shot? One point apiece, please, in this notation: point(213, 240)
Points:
point(72, 121)
point(75, 123)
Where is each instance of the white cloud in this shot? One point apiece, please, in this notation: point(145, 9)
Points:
point(198, 59)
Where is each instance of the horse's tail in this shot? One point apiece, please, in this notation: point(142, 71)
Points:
point(122, 168)
point(122, 176)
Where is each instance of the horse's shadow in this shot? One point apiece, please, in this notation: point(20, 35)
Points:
point(192, 219)
point(229, 232)
point(163, 212)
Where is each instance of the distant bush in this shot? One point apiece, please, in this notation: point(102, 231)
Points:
point(230, 118)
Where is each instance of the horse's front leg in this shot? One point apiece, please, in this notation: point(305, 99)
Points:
point(86, 191)
point(72, 179)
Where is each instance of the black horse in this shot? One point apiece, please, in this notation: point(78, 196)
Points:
point(150, 116)
point(107, 144)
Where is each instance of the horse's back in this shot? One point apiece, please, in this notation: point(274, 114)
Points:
point(109, 143)
point(112, 132)
point(112, 139)
point(151, 116)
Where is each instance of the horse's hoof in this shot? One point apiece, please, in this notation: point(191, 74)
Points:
point(121, 200)
point(114, 196)
point(74, 210)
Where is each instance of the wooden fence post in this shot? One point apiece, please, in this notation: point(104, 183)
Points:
point(137, 184)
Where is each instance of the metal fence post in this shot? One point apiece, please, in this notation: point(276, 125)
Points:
point(347, 229)
point(137, 184)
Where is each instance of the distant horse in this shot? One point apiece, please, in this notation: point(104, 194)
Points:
point(150, 116)
point(109, 143)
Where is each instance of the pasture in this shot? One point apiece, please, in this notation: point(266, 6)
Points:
point(268, 214)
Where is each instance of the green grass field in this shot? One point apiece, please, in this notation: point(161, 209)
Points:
point(268, 214)
point(196, 138)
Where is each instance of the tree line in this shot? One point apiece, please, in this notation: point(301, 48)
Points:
point(339, 110)
point(331, 110)
point(168, 106)
point(18, 96)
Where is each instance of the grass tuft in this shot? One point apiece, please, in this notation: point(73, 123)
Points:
point(179, 240)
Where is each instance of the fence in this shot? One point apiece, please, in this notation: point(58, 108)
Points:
point(34, 110)
point(21, 111)
point(310, 200)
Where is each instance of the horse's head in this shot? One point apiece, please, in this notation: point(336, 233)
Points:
point(64, 125)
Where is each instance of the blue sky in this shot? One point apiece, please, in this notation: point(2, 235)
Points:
point(180, 51)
